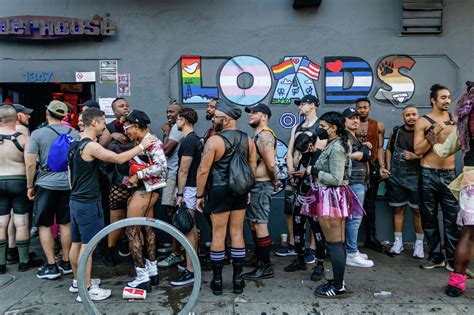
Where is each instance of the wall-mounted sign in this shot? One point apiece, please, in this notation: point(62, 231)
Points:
point(123, 84)
point(106, 106)
point(54, 27)
point(108, 71)
point(85, 76)
point(71, 87)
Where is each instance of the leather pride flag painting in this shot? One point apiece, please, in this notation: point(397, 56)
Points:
point(337, 91)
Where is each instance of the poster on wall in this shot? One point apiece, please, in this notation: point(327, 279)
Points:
point(106, 106)
point(123, 84)
point(108, 71)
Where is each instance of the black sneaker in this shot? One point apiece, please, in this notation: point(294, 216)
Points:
point(32, 263)
point(49, 272)
point(295, 265)
point(328, 291)
point(12, 256)
point(318, 272)
point(65, 267)
point(185, 278)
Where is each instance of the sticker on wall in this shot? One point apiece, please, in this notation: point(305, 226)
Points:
point(282, 168)
point(261, 80)
point(108, 71)
point(295, 77)
point(400, 86)
point(123, 84)
point(336, 90)
point(191, 81)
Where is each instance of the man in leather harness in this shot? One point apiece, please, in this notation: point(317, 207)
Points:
point(371, 130)
point(226, 209)
point(261, 195)
point(436, 174)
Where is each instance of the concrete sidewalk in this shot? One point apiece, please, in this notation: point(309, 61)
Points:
point(413, 291)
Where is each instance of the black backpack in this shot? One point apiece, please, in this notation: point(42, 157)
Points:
point(241, 177)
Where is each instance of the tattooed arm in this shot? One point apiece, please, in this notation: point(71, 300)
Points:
point(266, 147)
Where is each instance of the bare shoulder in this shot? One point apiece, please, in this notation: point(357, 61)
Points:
point(381, 125)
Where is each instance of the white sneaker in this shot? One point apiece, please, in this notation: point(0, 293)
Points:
point(169, 261)
point(96, 294)
point(397, 247)
point(364, 256)
point(74, 289)
point(357, 261)
point(418, 251)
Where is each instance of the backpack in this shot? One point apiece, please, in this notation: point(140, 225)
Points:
point(58, 152)
point(13, 138)
point(241, 177)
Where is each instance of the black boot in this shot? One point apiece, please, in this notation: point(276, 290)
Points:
point(263, 271)
point(237, 280)
point(216, 282)
point(372, 242)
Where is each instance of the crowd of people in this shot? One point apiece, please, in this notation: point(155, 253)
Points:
point(74, 181)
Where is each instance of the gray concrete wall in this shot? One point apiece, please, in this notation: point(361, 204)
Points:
point(153, 35)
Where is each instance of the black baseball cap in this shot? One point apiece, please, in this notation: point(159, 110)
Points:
point(260, 107)
point(350, 112)
point(21, 109)
point(138, 117)
point(308, 99)
point(90, 104)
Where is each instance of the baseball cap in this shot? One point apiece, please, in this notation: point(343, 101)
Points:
point(308, 99)
point(138, 117)
point(90, 104)
point(260, 107)
point(350, 112)
point(58, 108)
point(20, 108)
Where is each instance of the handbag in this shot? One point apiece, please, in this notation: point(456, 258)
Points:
point(136, 166)
point(182, 219)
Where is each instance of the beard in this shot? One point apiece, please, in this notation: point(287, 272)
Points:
point(209, 116)
point(254, 124)
point(218, 126)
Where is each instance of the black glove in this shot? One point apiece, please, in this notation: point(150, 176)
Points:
point(366, 153)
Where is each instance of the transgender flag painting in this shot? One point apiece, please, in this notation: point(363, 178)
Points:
point(261, 77)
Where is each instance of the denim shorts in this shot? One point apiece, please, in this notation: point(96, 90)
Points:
point(260, 199)
point(87, 219)
point(403, 189)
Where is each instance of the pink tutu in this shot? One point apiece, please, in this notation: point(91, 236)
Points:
point(332, 201)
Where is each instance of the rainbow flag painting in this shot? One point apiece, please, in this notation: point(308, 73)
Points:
point(192, 89)
point(283, 69)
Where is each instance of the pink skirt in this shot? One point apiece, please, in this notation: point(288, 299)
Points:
point(333, 202)
point(466, 205)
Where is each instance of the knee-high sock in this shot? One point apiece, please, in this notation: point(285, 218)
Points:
point(238, 254)
point(3, 247)
point(338, 262)
point(23, 250)
point(264, 244)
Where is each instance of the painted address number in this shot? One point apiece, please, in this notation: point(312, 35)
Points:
point(38, 76)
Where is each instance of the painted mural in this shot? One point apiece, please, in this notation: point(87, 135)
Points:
point(294, 75)
point(398, 88)
point(192, 90)
point(261, 77)
point(346, 79)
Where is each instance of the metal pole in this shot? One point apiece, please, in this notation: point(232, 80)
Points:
point(81, 268)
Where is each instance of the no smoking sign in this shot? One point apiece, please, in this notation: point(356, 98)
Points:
point(85, 76)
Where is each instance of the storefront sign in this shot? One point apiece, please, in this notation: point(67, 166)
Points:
point(33, 27)
point(38, 77)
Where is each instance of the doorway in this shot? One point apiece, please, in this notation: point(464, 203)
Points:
point(38, 95)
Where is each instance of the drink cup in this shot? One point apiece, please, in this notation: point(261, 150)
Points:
point(133, 293)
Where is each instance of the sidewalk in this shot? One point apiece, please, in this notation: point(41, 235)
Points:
point(413, 291)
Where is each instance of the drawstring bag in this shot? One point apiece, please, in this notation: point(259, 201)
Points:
point(182, 219)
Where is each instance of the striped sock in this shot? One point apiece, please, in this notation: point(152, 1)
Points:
point(23, 250)
point(264, 244)
point(217, 257)
point(3, 247)
point(238, 254)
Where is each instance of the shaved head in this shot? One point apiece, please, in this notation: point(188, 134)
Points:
point(7, 114)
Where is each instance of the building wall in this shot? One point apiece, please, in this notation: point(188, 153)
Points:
point(153, 35)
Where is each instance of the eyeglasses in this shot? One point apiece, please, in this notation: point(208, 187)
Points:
point(126, 127)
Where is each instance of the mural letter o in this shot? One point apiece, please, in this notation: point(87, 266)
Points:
point(262, 80)
point(288, 120)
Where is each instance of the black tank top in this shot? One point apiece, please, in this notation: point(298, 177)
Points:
point(311, 128)
point(220, 168)
point(84, 175)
